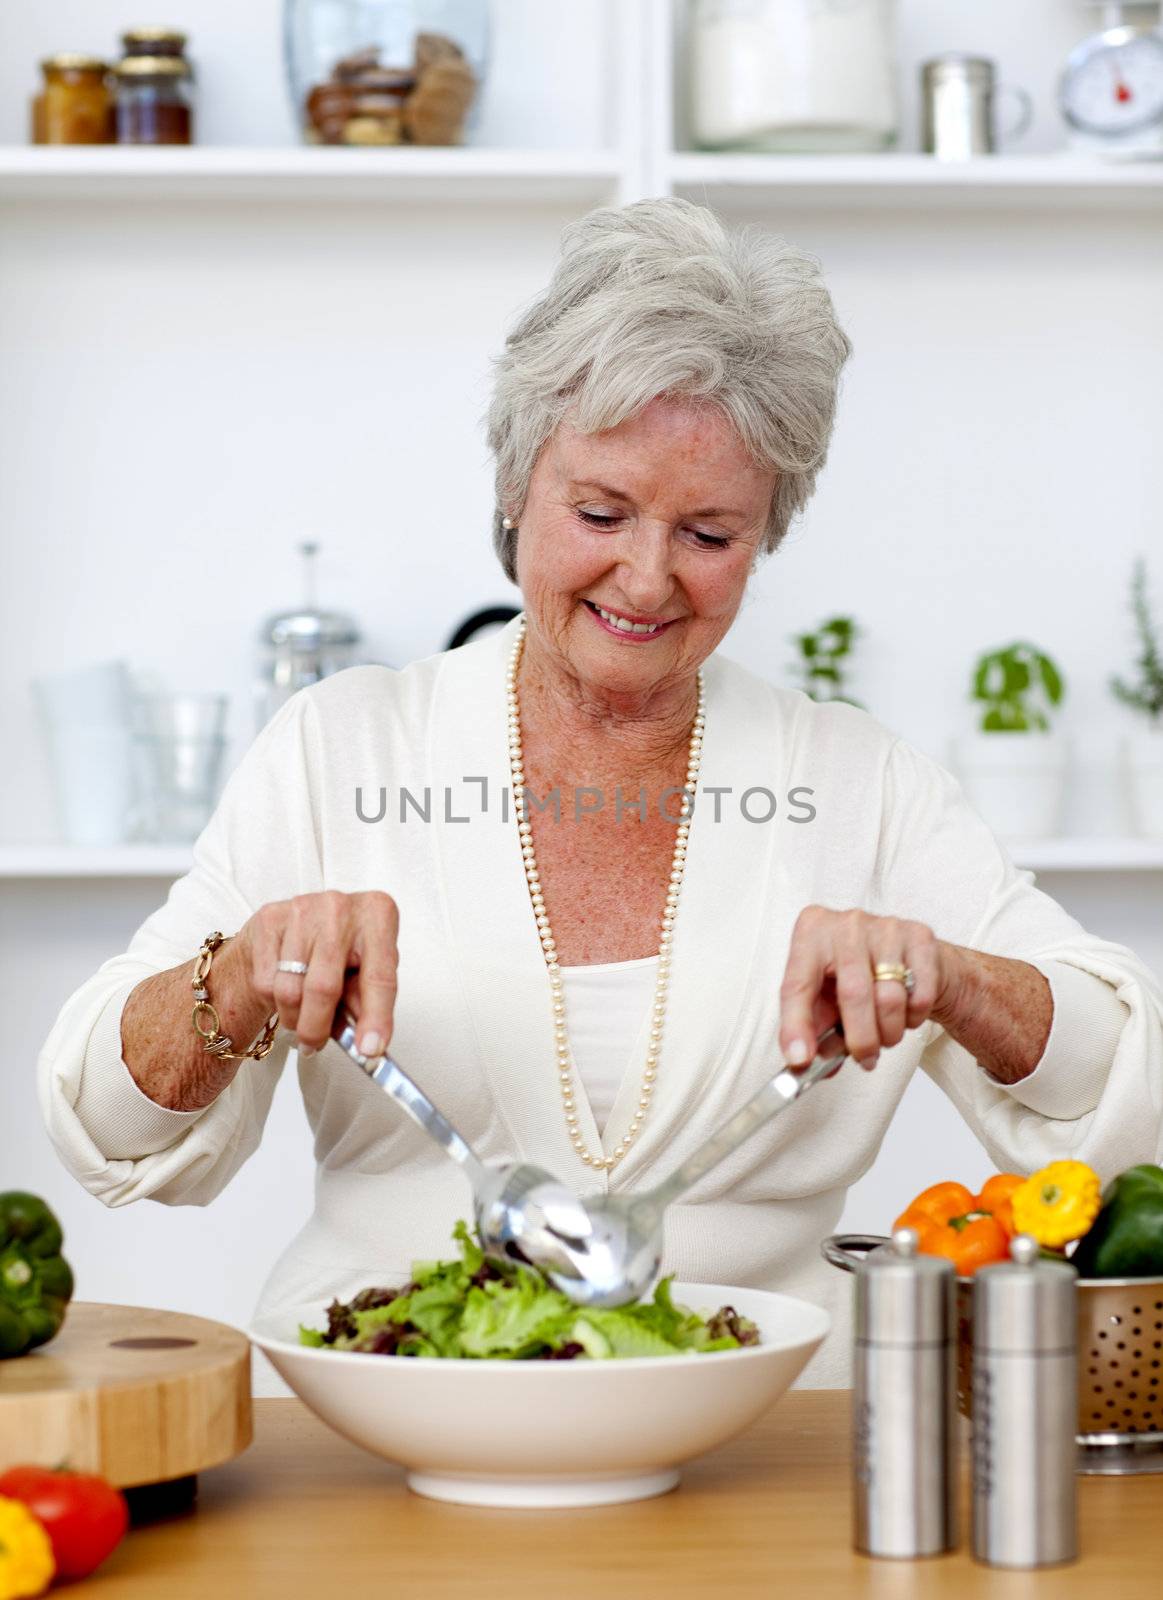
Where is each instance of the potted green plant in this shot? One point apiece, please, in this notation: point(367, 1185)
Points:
point(1013, 766)
point(1143, 751)
point(822, 659)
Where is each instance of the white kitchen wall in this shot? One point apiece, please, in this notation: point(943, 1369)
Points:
point(189, 387)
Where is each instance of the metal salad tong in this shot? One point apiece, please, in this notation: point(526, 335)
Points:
point(603, 1249)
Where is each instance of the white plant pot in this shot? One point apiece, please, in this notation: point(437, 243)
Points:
point(1143, 773)
point(1017, 781)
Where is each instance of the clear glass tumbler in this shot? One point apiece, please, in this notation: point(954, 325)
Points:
point(179, 741)
point(86, 714)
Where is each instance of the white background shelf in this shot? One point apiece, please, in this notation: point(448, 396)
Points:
point(581, 177)
point(918, 181)
point(1089, 855)
point(76, 861)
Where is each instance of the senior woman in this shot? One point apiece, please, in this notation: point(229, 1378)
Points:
point(592, 980)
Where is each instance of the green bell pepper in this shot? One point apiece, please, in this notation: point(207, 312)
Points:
point(1126, 1238)
point(36, 1283)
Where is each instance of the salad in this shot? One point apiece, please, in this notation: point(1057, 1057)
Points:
point(483, 1309)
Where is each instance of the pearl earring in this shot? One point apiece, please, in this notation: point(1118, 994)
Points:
point(508, 523)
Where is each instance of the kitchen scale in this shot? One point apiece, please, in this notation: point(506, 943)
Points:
point(1111, 89)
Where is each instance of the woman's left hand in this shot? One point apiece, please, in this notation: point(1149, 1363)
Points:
point(830, 978)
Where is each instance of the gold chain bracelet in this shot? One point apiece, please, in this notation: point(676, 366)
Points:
point(213, 1039)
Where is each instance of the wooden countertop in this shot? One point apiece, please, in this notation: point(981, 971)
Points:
point(305, 1514)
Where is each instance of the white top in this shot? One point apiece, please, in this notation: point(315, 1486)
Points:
point(892, 832)
point(607, 1006)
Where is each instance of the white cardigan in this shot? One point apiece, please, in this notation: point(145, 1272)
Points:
point(892, 834)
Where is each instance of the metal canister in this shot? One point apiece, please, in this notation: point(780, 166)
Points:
point(1025, 1410)
point(957, 93)
point(904, 1402)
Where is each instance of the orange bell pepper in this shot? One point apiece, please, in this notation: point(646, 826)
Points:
point(978, 1242)
point(996, 1197)
point(951, 1222)
point(940, 1203)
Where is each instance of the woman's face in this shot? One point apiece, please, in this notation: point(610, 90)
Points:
point(656, 521)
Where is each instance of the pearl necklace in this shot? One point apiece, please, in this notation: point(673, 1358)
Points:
point(549, 949)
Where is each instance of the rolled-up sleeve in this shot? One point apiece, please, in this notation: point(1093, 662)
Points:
point(1096, 1094)
point(260, 844)
point(1087, 1024)
point(119, 1117)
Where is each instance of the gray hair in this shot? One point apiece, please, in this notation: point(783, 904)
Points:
point(658, 298)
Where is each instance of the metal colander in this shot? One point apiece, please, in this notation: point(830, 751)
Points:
point(1120, 1361)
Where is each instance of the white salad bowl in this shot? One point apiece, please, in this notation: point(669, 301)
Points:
point(550, 1433)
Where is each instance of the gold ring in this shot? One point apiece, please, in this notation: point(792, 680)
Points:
point(895, 972)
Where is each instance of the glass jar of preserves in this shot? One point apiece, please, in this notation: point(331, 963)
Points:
point(155, 100)
point(76, 105)
point(154, 42)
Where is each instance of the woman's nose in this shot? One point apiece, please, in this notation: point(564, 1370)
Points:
point(644, 573)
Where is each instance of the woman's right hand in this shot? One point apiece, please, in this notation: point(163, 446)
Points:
point(349, 944)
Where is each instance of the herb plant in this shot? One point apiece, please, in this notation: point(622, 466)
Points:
point(1016, 688)
point(1146, 693)
point(822, 657)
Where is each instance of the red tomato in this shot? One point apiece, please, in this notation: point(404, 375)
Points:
point(84, 1517)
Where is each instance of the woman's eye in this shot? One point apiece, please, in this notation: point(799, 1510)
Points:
point(710, 541)
point(598, 519)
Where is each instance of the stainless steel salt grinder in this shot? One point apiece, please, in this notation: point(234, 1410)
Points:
point(1025, 1410)
point(904, 1402)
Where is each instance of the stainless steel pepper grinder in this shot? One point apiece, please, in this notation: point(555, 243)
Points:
point(1025, 1410)
point(905, 1402)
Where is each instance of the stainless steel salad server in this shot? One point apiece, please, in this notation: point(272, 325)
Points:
point(521, 1211)
point(601, 1250)
point(618, 1256)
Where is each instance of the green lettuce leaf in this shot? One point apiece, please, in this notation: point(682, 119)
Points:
point(513, 1319)
point(624, 1333)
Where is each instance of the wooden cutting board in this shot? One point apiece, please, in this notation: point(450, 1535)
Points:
point(136, 1395)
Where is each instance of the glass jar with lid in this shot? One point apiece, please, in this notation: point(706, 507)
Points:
point(793, 75)
point(385, 72)
point(76, 104)
point(155, 100)
point(154, 42)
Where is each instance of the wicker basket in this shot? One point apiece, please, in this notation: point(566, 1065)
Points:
point(1120, 1361)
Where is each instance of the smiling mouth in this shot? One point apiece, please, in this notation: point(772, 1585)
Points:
point(623, 625)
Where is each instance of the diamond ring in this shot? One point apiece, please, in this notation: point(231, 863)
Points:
point(297, 967)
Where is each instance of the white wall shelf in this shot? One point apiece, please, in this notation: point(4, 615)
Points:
point(1090, 855)
point(570, 177)
point(172, 860)
point(76, 861)
point(918, 182)
point(574, 177)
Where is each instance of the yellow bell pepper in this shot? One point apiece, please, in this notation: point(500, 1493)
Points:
point(1058, 1204)
point(26, 1558)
